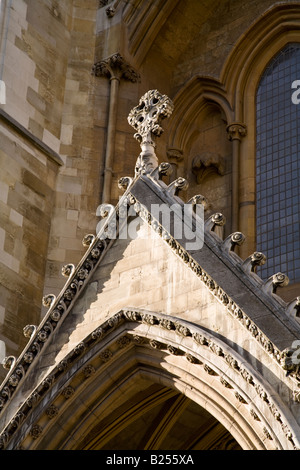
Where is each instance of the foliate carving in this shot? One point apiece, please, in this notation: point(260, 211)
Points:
point(289, 360)
point(275, 281)
point(33, 399)
point(115, 66)
point(123, 342)
point(254, 415)
point(233, 240)
point(9, 362)
point(146, 119)
point(209, 370)
point(167, 324)
point(67, 270)
point(191, 359)
point(267, 433)
point(88, 371)
point(207, 163)
point(174, 155)
point(173, 350)
point(110, 11)
point(205, 341)
point(106, 355)
point(239, 397)
point(88, 240)
point(36, 431)
point(52, 411)
point(253, 261)
point(68, 392)
point(180, 184)
point(225, 383)
point(155, 344)
point(29, 330)
point(49, 300)
point(4, 440)
point(124, 182)
point(236, 131)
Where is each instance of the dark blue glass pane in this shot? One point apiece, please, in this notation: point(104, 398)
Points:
point(278, 164)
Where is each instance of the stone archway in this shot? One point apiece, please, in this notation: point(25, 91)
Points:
point(140, 368)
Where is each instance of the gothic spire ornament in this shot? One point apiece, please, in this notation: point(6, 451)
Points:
point(146, 119)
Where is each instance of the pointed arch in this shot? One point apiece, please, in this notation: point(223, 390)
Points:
point(71, 407)
point(189, 102)
point(278, 26)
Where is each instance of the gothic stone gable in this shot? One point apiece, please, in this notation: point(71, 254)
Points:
point(188, 296)
point(166, 285)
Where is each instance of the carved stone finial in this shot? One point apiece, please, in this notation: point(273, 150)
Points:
point(199, 199)
point(206, 164)
point(253, 261)
point(215, 223)
point(275, 281)
point(146, 119)
point(9, 362)
point(180, 184)
point(233, 240)
point(67, 270)
point(49, 300)
point(29, 330)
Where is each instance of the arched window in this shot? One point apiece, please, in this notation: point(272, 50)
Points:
point(278, 164)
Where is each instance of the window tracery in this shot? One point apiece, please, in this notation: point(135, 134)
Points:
point(278, 164)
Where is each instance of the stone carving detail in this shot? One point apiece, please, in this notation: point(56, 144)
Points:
point(88, 371)
point(68, 392)
point(206, 164)
point(29, 331)
point(203, 340)
point(233, 240)
point(9, 362)
point(52, 411)
point(146, 119)
point(275, 281)
point(68, 270)
point(289, 360)
point(236, 131)
point(106, 355)
point(115, 66)
point(36, 431)
point(180, 184)
point(253, 261)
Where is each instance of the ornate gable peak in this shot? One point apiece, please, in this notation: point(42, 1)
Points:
point(241, 274)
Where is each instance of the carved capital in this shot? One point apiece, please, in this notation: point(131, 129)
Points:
point(115, 67)
point(236, 131)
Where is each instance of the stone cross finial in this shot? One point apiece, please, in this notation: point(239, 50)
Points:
point(145, 119)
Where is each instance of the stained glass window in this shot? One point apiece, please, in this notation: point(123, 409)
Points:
point(278, 164)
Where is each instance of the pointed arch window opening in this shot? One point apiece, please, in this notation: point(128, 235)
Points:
point(278, 164)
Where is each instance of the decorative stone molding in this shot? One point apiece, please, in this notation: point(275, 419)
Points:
point(175, 155)
point(206, 164)
point(236, 131)
point(204, 342)
point(115, 66)
point(78, 278)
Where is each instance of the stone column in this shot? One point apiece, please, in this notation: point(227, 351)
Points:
point(236, 131)
point(115, 68)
